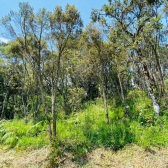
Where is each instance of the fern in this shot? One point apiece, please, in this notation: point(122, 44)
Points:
point(11, 141)
point(7, 135)
point(34, 130)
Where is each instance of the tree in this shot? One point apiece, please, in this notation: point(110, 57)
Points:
point(28, 29)
point(132, 16)
point(98, 55)
point(65, 31)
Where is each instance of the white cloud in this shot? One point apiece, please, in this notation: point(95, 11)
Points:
point(4, 40)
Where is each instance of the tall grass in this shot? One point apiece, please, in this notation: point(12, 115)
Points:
point(87, 128)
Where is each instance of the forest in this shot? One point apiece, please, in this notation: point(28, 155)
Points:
point(73, 89)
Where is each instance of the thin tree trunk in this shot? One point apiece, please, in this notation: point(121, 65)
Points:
point(113, 82)
point(157, 86)
point(53, 111)
point(116, 85)
point(45, 111)
point(104, 95)
point(105, 104)
point(54, 89)
point(42, 91)
point(122, 94)
point(33, 107)
point(159, 67)
point(24, 108)
point(3, 107)
point(34, 101)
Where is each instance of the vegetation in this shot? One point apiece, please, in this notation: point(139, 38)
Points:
point(73, 89)
point(84, 130)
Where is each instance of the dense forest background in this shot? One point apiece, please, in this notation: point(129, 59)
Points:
point(53, 68)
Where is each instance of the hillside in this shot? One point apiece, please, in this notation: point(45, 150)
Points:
point(75, 94)
point(84, 138)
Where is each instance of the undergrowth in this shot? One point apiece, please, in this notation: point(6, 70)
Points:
point(17, 133)
point(81, 131)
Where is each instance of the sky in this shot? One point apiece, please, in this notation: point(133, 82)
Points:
point(84, 7)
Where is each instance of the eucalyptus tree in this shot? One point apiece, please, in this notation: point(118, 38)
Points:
point(29, 31)
point(66, 28)
point(99, 53)
point(131, 16)
point(153, 35)
point(120, 63)
point(16, 25)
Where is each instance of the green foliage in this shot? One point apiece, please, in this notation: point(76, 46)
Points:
point(35, 130)
point(138, 103)
point(151, 135)
point(18, 133)
point(33, 142)
point(90, 125)
point(75, 98)
point(79, 149)
point(116, 113)
point(11, 141)
point(83, 130)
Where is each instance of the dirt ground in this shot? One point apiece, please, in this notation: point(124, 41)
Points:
point(131, 156)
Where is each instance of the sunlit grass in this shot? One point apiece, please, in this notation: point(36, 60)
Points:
point(89, 127)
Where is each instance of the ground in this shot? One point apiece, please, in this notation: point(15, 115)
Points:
point(131, 156)
point(23, 159)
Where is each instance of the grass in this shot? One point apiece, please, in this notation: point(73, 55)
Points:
point(129, 156)
point(23, 158)
point(81, 131)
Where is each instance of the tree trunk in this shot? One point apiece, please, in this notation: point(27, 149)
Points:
point(150, 90)
point(159, 67)
point(105, 104)
point(54, 89)
point(115, 89)
point(45, 111)
point(122, 94)
point(148, 83)
point(24, 108)
point(53, 111)
point(3, 106)
point(104, 95)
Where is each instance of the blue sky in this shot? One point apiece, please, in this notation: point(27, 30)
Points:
point(84, 6)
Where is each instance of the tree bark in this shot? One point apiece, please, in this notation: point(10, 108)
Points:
point(148, 84)
point(44, 107)
point(122, 94)
point(104, 95)
point(54, 89)
point(53, 111)
point(159, 67)
point(24, 108)
point(3, 107)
